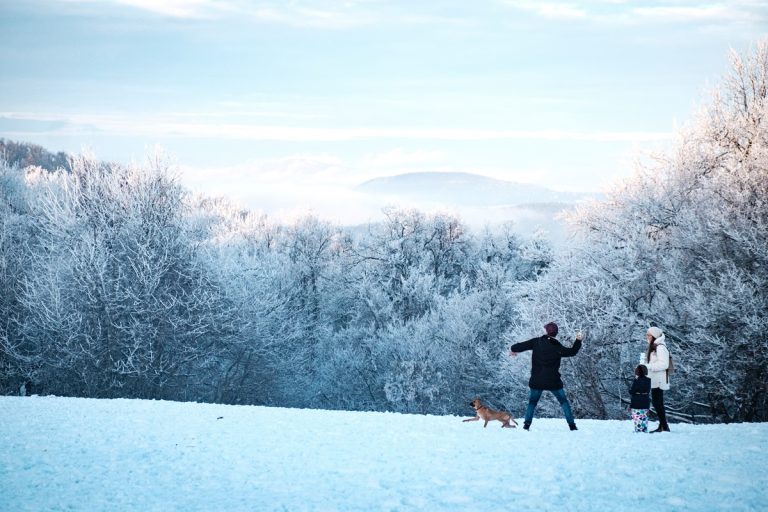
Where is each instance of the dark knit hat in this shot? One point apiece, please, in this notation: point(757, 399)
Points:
point(551, 329)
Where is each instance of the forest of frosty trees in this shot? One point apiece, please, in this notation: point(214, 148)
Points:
point(115, 282)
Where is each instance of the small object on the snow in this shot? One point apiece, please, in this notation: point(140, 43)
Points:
point(220, 418)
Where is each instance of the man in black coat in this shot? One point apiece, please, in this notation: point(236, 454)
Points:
point(545, 370)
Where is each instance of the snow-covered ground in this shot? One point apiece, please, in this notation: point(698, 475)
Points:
point(90, 455)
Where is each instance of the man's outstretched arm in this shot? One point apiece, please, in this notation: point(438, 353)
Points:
point(573, 350)
point(521, 347)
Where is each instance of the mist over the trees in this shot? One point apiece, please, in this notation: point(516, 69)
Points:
point(116, 282)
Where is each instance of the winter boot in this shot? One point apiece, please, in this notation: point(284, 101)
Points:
point(659, 429)
point(572, 426)
point(527, 426)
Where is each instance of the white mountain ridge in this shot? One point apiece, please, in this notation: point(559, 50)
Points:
point(479, 200)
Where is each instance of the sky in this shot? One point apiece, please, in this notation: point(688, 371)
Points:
point(304, 100)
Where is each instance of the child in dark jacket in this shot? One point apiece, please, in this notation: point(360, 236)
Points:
point(641, 401)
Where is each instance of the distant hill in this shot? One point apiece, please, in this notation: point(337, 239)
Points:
point(465, 189)
point(479, 199)
point(23, 154)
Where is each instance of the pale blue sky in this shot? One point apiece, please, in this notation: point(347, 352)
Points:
point(251, 96)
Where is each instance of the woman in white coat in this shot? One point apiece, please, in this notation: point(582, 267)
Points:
point(657, 361)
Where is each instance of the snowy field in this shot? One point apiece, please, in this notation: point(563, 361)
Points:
point(91, 455)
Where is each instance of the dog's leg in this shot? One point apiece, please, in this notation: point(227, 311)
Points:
point(476, 418)
point(486, 424)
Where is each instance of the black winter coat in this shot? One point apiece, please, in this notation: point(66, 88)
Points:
point(545, 363)
point(640, 393)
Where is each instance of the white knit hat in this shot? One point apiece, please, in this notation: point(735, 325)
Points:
point(655, 332)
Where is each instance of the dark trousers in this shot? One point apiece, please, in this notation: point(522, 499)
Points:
point(657, 397)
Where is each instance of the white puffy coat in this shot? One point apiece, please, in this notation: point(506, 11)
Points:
point(657, 366)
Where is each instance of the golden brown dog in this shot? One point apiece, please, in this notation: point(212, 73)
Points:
point(487, 414)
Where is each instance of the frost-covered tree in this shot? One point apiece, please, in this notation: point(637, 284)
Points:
point(258, 364)
point(117, 303)
point(426, 305)
point(17, 243)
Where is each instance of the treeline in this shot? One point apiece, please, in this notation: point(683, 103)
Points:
point(22, 154)
point(116, 283)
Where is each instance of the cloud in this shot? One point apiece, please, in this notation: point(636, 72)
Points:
point(548, 9)
point(300, 133)
point(710, 13)
point(20, 125)
point(317, 14)
point(298, 16)
point(160, 127)
point(323, 14)
point(176, 8)
point(624, 12)
point(180, 9)
point(306, 14)
point(288, 187)
point(398, 157)
point(300, 170)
